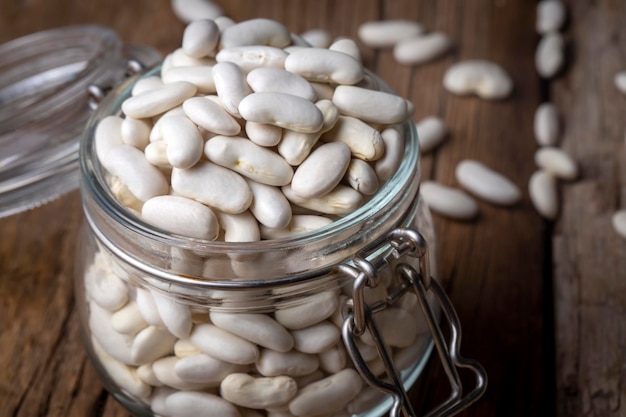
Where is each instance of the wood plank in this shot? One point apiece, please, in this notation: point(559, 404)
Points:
point(496, 269)
point(589, 257)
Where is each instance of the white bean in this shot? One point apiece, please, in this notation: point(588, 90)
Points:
point(156, 154)
point(620, 81)
point(152, 82)
point(194, 404)
point(128, 320)
point(108, 135)
point(249, 159)
point(557, 162)
point(549, 56)
point(619, 222)
point(347, 46)
point(211, 116)
point(125, 377)
point(362, 177)
point(105, 288)
point(152, 343)
point(483, 78)
point(156, 134)
point(309, 311)
point(190, 10)
point(251, 57)
point(224, 345)
point(341, 200)
point(364, 141)
point(184, 348)
point(317, 38)
point(334, 359)
point(292, 363)
point(129, 164)
point(135, 132)
point(256, 32)
point(179, 58)
point(431, 131)
point(184, 142)
point(213, 185)
point(328, 395)
point(257, 328)
point(317, 338)
point(269, 205)
point(175, 315)
point(200, 38)
point(147, 375)
point(204, 369)
point(448, 201)
point(147, 307)
point(546, 125)
point(224, 22)
point(268, 80)
point(321, 171)
point(367, 399)
point(486, 183)
point(263, 134)
point(239, 227)
point(543, 192)
point(300, 223)
point(283, 110)
point(318, 64)
point(118, 345)
point(551, 15)
point(421, 49)
point(154, 102)
point(393, 141)
point(386, 33)
point(157, 400)
point(265, 392)
point(231, 86)
point(370, 105)
point(200, 75)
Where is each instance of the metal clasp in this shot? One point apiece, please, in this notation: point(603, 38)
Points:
point(358, 316)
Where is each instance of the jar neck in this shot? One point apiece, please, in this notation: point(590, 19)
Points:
point(224, 264)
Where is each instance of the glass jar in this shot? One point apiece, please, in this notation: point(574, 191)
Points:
point(44, 106)
point(329, 323)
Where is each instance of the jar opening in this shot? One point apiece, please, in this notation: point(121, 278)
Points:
point(394, 205)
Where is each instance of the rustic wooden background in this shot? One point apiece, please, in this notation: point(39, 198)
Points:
point(542, 303)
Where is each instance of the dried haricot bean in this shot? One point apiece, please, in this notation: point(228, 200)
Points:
point(619, 222)
point(431, 131)
point(386, 33)
point(620, 81)
point(483, 78)
point(420, 49)
point(551, 15)
point(546, 125)
point(549, 56)
point(448, 201)
point(558, 162)
point(486, 183)
point(543, 192)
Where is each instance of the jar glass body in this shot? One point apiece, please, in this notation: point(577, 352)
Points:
point(243, 328)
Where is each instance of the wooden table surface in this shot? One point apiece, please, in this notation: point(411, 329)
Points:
point(542, 303)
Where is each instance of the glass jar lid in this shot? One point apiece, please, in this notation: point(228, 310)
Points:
point(45, 104)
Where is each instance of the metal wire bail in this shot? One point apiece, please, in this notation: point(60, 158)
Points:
point(358, 317)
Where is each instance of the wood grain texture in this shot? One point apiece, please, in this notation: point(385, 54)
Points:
point(589, 257)
point(501, 271)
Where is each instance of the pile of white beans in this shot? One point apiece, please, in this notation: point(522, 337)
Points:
point(185, 360)
point(247, 135)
